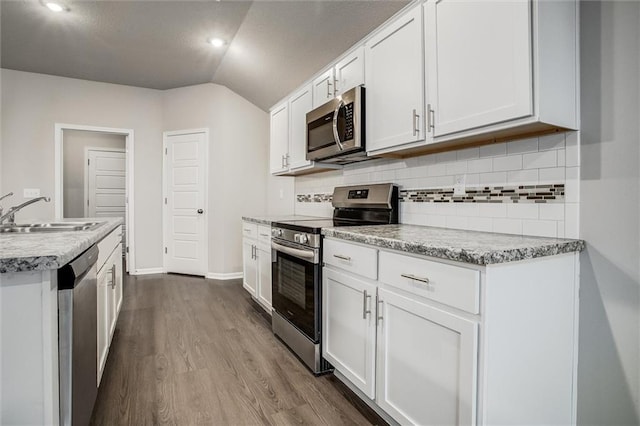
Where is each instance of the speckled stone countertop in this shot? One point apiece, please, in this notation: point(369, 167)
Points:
point(479, 248)
point(50, 250)
point(268, 220)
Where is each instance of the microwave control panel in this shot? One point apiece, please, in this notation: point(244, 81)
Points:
point(348, 119)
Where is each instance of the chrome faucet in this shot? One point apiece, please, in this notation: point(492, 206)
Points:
point(2, 198)
point(10, 215)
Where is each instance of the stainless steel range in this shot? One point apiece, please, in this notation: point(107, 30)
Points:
point(297, 265)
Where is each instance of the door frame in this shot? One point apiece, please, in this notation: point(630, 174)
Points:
point(86, 170)
point(129, 183)
point(165, 213)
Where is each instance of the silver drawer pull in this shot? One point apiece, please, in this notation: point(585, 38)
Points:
point(265, 235)
point(339, 256)
point(413, 277)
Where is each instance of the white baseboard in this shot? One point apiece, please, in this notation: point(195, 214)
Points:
point(227, 276)
point(148, 271)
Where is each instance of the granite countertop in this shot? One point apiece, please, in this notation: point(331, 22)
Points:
point(479, 248)
point(268, 220)
point(50, 250)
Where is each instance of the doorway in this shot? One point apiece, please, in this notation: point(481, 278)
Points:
point(94, 177)
point(185, 215)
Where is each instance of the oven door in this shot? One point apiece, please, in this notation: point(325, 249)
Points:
point(296, 286)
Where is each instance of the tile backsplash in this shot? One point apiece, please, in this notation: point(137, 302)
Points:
point(528, 187)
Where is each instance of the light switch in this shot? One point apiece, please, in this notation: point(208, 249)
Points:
point(281, 193)
point(460, 188)
point(31, 192)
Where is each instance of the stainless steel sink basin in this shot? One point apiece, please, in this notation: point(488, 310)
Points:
point(49, 227)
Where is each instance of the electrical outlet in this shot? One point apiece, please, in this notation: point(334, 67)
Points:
point(459, 188)
point(31, 192)
point(281, 193)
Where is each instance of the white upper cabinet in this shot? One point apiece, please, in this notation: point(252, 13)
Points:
point(496, 65)
point(279, 147)
point(323, 88)
point(395, 83)
point(299, 105)
point(349, 71)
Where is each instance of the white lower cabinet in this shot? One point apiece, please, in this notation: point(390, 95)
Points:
point(349, 328)
point(426, 363)
point(110, 293)
point(502, 352)
point(249, 266)
point(103, 320)
point(256, 263)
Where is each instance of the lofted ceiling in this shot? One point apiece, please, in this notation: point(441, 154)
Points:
point(272, 46)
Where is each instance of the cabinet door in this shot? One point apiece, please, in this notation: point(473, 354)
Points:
point(427, 361)
point(479, 65)
point(264, 278)
point(349, 333)
point(249, 267)
point(279, 147)
point(323, 88)
point(350, 71)
point(395, 83)
point(103, 319)
point(299, 105)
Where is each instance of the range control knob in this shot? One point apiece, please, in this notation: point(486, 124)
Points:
point(302, 238)
point(279, 232)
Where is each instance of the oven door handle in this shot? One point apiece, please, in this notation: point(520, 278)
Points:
point(335, 125)
point(300, 254)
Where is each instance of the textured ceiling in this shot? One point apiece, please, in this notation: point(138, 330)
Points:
point(274, 46)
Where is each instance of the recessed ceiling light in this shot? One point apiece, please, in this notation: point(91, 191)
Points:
point(56, 7)
point(216, 42)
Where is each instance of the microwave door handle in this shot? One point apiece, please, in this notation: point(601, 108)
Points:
point(335, 125)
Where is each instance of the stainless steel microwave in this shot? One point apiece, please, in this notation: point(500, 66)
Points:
point(336, 130)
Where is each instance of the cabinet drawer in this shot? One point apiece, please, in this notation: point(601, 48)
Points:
point(451, 285)
point(107, 245)
point(264, 236)
point(250, 230)
point(356, 259)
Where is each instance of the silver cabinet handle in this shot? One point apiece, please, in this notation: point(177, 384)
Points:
point(365, 311)
point(379, 303)
point(282, 161)
point(341, 257)
point(329, 94)
point(415, 122)
point(430, 118)
point(265, 235)
point(113, 276)
point(413, 277)
point(286, 160)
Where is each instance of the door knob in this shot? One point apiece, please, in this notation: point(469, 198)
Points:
point(200, 211)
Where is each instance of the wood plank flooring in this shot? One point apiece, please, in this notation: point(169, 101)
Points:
point(190, 351)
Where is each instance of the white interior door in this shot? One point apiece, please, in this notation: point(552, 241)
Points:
point(185, 203)
point(105, 193)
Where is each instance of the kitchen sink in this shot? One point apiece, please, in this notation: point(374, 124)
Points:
point(49, 227)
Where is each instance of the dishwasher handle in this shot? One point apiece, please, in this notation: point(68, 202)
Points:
point(71, 273)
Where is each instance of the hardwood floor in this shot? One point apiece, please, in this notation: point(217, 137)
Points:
point(192, 351)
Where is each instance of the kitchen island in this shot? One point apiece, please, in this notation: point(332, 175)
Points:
point(29, 262)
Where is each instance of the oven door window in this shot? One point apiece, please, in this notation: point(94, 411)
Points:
point(294, 292)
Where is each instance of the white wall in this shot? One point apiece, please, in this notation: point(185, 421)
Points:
point(238, 163)
point(73, 160)
point(609, 370)
point(33, 103)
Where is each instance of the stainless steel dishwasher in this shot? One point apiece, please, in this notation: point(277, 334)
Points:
point(77, 338)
